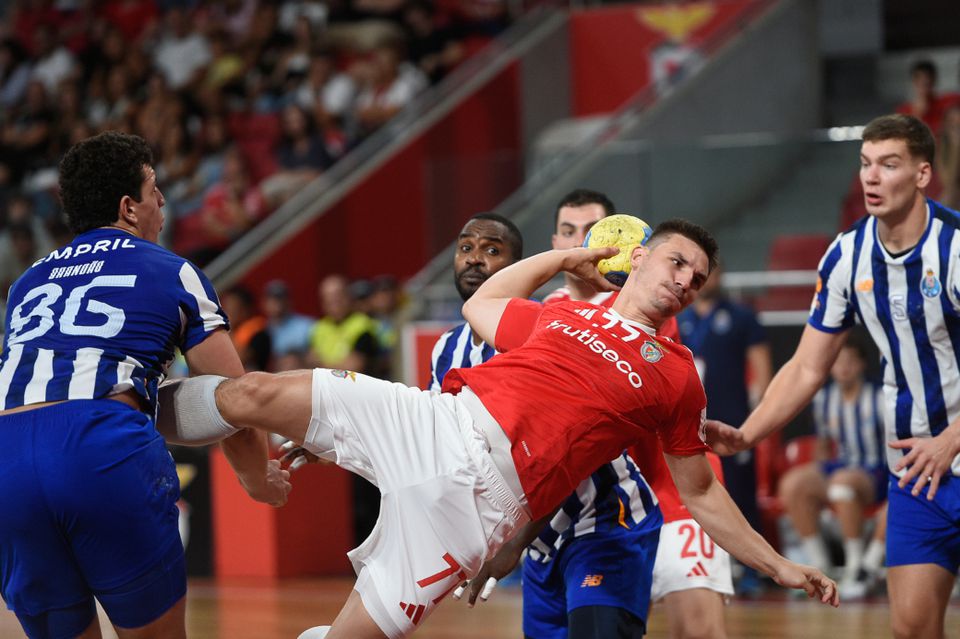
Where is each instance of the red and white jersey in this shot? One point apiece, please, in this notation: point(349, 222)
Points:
point(576, 384)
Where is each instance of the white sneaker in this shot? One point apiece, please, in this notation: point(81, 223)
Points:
point(856, 588)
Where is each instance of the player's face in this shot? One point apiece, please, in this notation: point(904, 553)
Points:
point(149, 215)
point(669, 274)
point(892, 178)
point(573, 223)
point(482, 250)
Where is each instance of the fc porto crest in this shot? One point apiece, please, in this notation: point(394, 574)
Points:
point(651, 352)
point(342, 374)
point(930, 285)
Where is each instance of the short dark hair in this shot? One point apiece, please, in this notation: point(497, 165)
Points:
point(924, 66)
point(856, 341)
point(96, 173)
point(583, 197)
point(691, 231)
point(243, 294)
point(514, 237)
point(908, 128)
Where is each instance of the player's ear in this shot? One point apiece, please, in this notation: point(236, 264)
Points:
point(924, 175)
point(126, 211)
point(637, 254)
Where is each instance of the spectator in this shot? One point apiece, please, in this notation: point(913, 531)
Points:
point(344, 337)
point(948, 157)
point(301, 155)
point(15, 72)
point(132, 18)
point(54, 62)
point(325, 92)
point(849, 419)
point(27, 133)
point(924, 102)
point(248, 329)
point(432, 48)
point(181, 53)
point(289, 331)
point(18, 250)
point(390, 86)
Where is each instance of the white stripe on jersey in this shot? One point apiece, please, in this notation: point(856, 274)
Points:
point(84, 380)
point(36, 390)
point(208, 308)
point(6, 373)
point(125, 370)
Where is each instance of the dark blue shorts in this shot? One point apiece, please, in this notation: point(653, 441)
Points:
point(879, 476)
point(88, 498)
point(613, 570)
point(921, 531)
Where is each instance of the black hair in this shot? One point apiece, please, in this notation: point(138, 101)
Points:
point(924, 66)
point(858, 344)
point(514, 237)
point(96, 173)
point(691, 231)
point(911, 130)
point(583, 197)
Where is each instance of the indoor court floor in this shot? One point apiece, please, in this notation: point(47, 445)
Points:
point(281, 610)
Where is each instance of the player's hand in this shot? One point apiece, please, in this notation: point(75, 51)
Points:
point(724, 439)
point(810, 580)
point(582, 262)
point(929, 458)
point(492, 570)
point(272, 487)
point(296, 456)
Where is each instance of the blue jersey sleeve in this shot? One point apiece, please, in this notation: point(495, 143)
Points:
point(199, 305)
point(832, 310)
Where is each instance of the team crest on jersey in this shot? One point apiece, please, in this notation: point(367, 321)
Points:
point(342, 374)
point(930, 285)
point(651, 352)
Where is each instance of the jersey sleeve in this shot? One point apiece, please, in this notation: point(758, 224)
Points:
point(440, 361)
point(683, 435)
point(199, 307)
point(517, 323)
point(832, 310)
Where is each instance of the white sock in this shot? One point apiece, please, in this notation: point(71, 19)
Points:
point(852, 557)
point(317, 632)
point(816, 552)
point(873, 558)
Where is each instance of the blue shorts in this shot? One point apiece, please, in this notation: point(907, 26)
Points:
point(88, 498)
point(879, 476)
point(921, 531)
point(614, 570)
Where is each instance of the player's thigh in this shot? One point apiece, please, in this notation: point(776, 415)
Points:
point(697, 612)
point(544, 601)
point(805, 480)
point(604, 622)
point(919, 594)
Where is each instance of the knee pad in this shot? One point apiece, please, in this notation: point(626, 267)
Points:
point(187, 412)
point(840, 492)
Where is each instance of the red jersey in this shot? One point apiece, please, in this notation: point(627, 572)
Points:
point(576, 384)
point(647, 453)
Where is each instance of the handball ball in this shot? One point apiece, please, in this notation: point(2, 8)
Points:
point(626, 233)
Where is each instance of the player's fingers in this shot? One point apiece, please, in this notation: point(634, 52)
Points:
point(934, 485)
point(460, 590)
point(298, 462)
point(287, 446)
point(903, 443)
point(922, 480)
point(488, 588)
point(475, 585)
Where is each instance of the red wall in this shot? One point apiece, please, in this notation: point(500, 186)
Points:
point(415, 204)
point(611, 46)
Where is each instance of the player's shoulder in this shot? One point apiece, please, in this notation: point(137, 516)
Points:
point(945, 215)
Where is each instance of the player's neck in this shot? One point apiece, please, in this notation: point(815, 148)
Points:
point(900, 232)
point(122, 226)
point(634, 313)
point(579, 290)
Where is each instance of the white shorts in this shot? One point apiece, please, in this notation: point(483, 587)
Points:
point(444, 505)
point(687, 558)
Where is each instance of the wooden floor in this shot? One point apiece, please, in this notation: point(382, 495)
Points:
point(281, 610)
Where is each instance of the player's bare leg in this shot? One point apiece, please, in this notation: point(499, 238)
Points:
point(278, 403)
point(92, 631)
point(850, 512)
point(170, 625)
point(354, 622)
point(695, 614)
point(919, 594)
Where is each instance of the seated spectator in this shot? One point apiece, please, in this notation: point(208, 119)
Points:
point(948, 157)
point(27, 133)
point(134, 19)
point(325, 92)
point(924, 102)
point(390, 85)
point(248, 329)
point(301, 155)
point(434, 49)
point(18, 251)
point(229, 209)
point(182, 52)
point(289, 331)
point(54, 62)
point(15, 72)
point(849, 417)
point(344, 337)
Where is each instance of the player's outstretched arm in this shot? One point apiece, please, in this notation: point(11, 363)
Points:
point(485, 307)
point(791, 389)
point(711, 505)
point(247, 450)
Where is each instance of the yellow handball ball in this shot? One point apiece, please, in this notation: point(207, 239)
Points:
point(626, 232)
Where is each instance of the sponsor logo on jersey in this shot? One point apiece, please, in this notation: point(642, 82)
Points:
point(591, 581)
point(651, 352)
point(865, 286)
point(588, 339)
point(342, 374)
point(930, 285)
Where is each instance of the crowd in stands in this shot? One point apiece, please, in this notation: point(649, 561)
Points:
point(242, 101)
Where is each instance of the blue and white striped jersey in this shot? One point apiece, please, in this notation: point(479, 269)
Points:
point(616, 497)
point(856, 426)
point(910, 304)
point(102, 316)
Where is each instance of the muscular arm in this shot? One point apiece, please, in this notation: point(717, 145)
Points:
point(484, 309)
point(711, 505)
point(247, 451)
